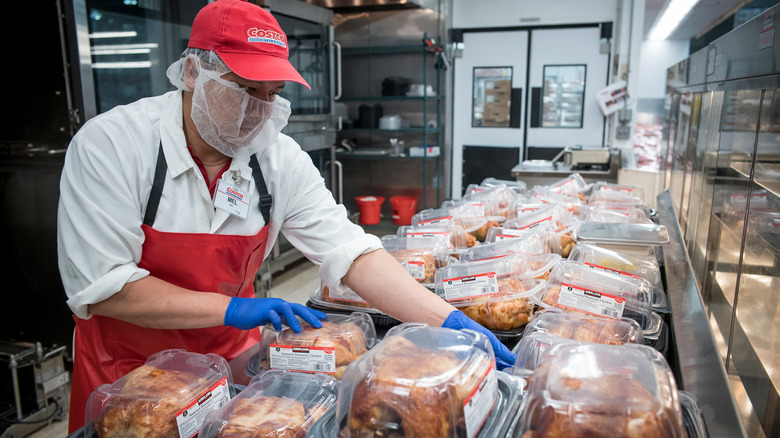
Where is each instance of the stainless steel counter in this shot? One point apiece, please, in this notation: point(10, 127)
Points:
point(533, 176)
point(701, 369)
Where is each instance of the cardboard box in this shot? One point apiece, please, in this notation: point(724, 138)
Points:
point(501, 85)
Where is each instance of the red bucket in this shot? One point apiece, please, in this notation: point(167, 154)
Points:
point(370, 208)
point(403, 209)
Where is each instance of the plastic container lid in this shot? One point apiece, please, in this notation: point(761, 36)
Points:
point(576, 287)
point(627, 216)
point(572, 184)
point(166, 396)
point(597, 390)
point(430, 216)
point(586, 328)
point(623, 264)
point(342, 340)
point(503, 197)
point(420, 381)
point(342, 299)
point(548, 218)
point(607, 190)
point(457, 237)
point(420, 257)
point(498, 423)
point(518, 186)
point(533, 350)
point(693, 420)
point(623, 234)
point(276, 403)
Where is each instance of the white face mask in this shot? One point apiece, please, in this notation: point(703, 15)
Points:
point(232, 121)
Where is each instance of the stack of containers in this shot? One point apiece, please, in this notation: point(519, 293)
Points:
point(577, 287)
point(421, 257)
point(439, 223)
point(275, 403)
point(615, 203)
point(493, 292)
point(423, 381)
point(539, 219)
point(342, 340)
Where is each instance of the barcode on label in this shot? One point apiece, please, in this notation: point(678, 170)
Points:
point(610, 313)
point(322, 367)
point(487, 290)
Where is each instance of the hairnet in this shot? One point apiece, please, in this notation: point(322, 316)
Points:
point(208, 60)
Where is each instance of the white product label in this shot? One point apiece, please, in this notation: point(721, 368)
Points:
point(593, 302)
point(507, 234)
point(443, 221)
point(470, 286)
point(612, 270)
point(415, 268)
point(304, 359)
point(478, 405)
point(540, 224)
point(191, 418)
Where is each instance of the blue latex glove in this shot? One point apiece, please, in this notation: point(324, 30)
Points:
point(458, 320)
point(248, 313)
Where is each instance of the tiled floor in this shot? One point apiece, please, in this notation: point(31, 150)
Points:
point(294, 284)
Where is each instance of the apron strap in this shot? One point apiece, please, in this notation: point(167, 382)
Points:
point(265, 199)
point(157, 187)
point(159, 181)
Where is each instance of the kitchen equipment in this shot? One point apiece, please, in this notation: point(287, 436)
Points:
point(395, 86)
point(390, 122)
point(369, 115)
point(587, 158)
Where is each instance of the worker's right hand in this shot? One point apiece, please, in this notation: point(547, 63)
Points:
point(248, 313)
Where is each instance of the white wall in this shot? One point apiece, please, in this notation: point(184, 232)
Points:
point(502, 13)
point(655, 58)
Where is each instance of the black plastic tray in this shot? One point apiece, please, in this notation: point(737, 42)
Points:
point(663, 342)
point(496, 424)
point(379, 319)
point(510, 338)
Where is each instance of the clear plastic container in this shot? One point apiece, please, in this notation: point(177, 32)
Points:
point(626, 208)
point(601, 390)
point(607, 190)
point(579, 288)
point(342, 299)
point(623, 264)
point(503, 196)
point(573, 184)
point(455, 234)
point(586, 328)
point(441, 217)
point(492, 292)
point(611, 216)
point(475, 217)
point(420, 257)
point(342, 340)
point(167, 396)
point(518, 186)
point(533, 350)
point(276, 403)
point(544, 219)
point(693, 420)
point(538, 250)
point(420, 381)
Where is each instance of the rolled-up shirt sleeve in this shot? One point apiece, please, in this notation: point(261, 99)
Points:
point(99, 235)
point(320, 228)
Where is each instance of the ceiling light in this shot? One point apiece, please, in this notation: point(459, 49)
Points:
point(100, 35)
point(674, 13)
point(121, 65)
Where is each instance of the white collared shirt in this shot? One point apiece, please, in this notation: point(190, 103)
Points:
point(105, 185)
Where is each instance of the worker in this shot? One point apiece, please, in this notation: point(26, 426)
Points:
point(169, 205)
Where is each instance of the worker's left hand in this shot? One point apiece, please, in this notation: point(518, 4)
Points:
point(248, 313)
point(458, 320)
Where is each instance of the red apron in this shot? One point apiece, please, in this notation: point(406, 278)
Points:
point(106, 349)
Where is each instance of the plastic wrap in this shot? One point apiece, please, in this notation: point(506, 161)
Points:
point(420, 381)
point(601, 390)
point(342, 340)
point(275, 403)
point(167, 396)
point(419, 256)
point(577, 287)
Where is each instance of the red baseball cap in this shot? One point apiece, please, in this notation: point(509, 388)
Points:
point(247, 37)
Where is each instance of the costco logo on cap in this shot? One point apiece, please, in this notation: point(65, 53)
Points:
point(266, 36)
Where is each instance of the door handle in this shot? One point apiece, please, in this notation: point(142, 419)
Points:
point(337, 45)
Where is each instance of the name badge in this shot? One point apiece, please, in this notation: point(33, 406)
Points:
point(231, 198)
